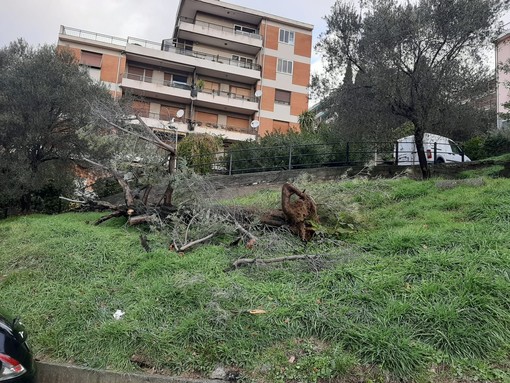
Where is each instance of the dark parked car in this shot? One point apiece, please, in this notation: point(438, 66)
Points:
point(16, 361)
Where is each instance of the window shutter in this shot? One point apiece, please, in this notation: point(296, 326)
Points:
point(91, 59)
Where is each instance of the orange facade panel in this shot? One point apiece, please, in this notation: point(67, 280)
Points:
point(280, 126)
point(268, 95)
point(301, 74)
point(270, 34)
point(76, 52)
point(112, 68)
point(269, 68)
point(303, 45)
point(268, 126)
point(298, 103)
point(265, 127)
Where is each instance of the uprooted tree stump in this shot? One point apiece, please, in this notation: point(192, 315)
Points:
point(299, 213)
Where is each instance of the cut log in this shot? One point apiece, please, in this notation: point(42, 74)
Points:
point(250, 261)
point(138, 219)
point(118, 213)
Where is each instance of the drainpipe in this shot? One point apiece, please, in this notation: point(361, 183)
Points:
point(263, 55)
point(119, 81)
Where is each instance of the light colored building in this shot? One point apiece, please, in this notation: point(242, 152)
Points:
point(502, 52)
point(228, 70)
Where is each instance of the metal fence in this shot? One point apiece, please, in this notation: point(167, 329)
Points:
point(260, 158)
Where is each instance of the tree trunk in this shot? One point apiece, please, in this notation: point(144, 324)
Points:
point(167, 198)
point(418, 140)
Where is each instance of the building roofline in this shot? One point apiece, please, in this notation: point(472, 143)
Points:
point(250, 11)
point(502, 36)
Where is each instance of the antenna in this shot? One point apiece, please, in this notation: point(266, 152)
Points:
point(258, 93)
point(180, 113)
point(255, 124)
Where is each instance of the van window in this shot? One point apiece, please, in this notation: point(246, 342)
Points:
point(455, 147)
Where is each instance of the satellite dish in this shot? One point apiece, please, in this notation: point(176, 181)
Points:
point(180, 113)
point(255, 124)
point(258, 93)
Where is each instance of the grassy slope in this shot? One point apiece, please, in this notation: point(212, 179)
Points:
point(422, 283)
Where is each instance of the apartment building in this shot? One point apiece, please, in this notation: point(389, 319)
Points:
point(502, 57)
point(227, 70)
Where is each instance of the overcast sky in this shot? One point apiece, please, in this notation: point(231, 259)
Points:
point(38, 21)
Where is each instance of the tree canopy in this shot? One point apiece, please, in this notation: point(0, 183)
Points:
point(417, 58)
point(45, 103)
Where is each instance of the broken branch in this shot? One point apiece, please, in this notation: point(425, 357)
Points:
point(250, 261)
point(193, 243)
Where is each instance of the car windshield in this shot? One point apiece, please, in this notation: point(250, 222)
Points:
point(455, 147)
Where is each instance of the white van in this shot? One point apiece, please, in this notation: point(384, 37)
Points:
point(438, 149)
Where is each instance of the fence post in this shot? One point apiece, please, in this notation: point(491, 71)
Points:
point(396, 152)
point(230, 165)
point(290, 157)
point(462, 155)
point(435, 152)
point(347, 149)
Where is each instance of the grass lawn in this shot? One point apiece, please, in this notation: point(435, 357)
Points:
point(412, 283)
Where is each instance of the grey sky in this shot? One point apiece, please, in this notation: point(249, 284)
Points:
point(38, 21)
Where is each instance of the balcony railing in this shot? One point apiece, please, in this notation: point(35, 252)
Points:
point(166, 117)
point(235, 96)
point(92, 36)
point(167, 46)
point(143, 78)
point(222, 28)
point(181, 85)
point(229, 128)
point(207, 56)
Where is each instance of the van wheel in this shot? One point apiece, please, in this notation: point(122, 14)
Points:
point(440, 160)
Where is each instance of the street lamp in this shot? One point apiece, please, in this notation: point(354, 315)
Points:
point(171, 127)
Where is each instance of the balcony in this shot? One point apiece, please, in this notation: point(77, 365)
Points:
point(98, 37)
point(148, 87)
point(206, 63)
point(220, 36)
point(227, 101)
point(180, 92)
point(161, 124)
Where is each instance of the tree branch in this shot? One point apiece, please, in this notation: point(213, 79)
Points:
point(249, 261)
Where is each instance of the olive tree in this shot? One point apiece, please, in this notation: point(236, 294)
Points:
point(45, 102)
point(415, 56)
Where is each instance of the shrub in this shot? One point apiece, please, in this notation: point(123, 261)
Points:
point(497, 143)
point(199, 151)
point(275, 150)
point(474, 148)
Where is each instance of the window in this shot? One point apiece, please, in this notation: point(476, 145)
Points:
point(240, 92)
point(176, 80)
point(180, 79)
point(211, 87)
point(169, 112)
point(242, 28)
point(139, 74)
point(286, 37)
point(142, 108)
point(284, 66)
point(91, 59)
point(244, 62)
point(282, 97)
